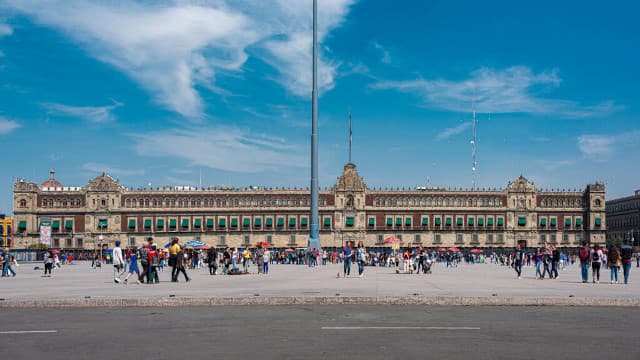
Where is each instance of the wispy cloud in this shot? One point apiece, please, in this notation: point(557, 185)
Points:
point(7, 126)
point(173, 47)
point(513, 90)
point(55, 157)
point(5, 30)
point(551, 165)
point(96, 114)
point(449, 132)
point(385, 56)
point(600, 147)
point(223, 148)
point(100, 168)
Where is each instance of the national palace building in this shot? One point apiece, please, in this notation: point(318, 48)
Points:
point(349, 211)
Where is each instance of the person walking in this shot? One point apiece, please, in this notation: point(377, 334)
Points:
point(614, 263)
point(211, 260)
point(181, 265)
point(518, 259)
point(173, 256)
point(626, 255)
point(259, 258)
point(133, 266)
point(347, 253)
point(583, 255)
point(362, 258)
point(7, 260)
point(48, 263)
point(118, 262)
point(537, 260)
point(596, 263)
point(266, 256)
point(144, 261)
point(555, 261)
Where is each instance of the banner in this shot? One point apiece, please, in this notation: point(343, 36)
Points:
point(45, 235)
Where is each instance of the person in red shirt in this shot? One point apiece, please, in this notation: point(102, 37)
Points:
point(154, 262)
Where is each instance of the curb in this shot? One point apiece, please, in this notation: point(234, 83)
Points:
point(337, 300)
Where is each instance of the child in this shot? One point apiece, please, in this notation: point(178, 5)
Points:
point(133, 266)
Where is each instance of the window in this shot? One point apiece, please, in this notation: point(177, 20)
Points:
point(489, 238)
point(68, 243)
point(553, 238)
point(247, 240)
point(437, 239)
point(23, 203)
point(104, 202)
point(500, 238)
point(56, 243)
point(223, 241)
point(380, 238)
point(565, 238)
point(132, 241)
point(459, 239)
point(416, 238)
point(292, 239)
point(79, 243)
point(269, 239)
point(543, 238)
point(474, 238)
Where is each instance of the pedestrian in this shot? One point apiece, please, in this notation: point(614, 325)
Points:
point(48, 263)
point(154, 262)
point(583, 255)
point(518, 258)
point(555, 260)
point(596, 262)
point(173, 256)
point(260, 258)
point(362, 258)
point(181, 265)
point(546, 261)
point(246, 259)
point(144, 261)
point(626, 254)
point(211, 260)
point(266, 259)
point(614, 263)
point(347, 253)
point(133, 266)
point(118, 262)
point(7, 261)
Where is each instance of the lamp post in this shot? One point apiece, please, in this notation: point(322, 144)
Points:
point(314, 233)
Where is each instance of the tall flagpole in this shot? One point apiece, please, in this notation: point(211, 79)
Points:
point(314, 233)
point(350, 136)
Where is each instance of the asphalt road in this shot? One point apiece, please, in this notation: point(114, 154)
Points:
point(321, 332)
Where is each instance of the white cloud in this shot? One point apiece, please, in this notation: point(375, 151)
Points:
point(449, 132)
point(551, 165)
point(7, 126)
point(5, 30)
point(96, 114)
point(223, 148)
point(513, 90)
point(599, 147)
point(115, 171)
point(385, 55)
point(172, 47)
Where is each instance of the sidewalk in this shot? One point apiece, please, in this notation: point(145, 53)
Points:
point(480, 284)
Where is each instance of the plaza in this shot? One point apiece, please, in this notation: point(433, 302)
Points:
point(78, 285)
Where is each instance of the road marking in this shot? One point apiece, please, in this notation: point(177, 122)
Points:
point(28, 332)
point(399, 328)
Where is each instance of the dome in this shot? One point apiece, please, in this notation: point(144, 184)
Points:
point(52, 182)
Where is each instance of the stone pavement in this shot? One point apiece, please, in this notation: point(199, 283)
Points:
point(479, 284)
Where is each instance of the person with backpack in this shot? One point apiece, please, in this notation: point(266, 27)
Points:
point(154, 263)
point(596, 263)
point(583, 255)
point(614, 263)
point(181, 264)
point(144, 261)
point(626, 254)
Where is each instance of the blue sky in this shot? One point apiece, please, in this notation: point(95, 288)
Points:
point(161, 91)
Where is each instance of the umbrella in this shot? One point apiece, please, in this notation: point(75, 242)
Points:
point(288, 250)
point(454, 249)
point(55, 251)
point(202, 247)
point(263, 244)
point(441, 249)
point(391, 240)
point(194, 243)
point(476, 251)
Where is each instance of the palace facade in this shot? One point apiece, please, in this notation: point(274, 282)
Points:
point(623, 216)
point(76, 217)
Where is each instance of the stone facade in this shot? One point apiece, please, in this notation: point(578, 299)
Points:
point(623, 218)
point(349, 211)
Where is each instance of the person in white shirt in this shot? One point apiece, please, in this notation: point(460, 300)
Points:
point(118, 262)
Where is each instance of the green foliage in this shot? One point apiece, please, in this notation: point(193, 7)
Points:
point(37, 247)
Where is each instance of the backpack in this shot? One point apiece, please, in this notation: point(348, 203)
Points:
point(584, 253)
point(595, 257)
point(155, 261)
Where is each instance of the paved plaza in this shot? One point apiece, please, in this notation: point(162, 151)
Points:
point(467, 284)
